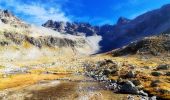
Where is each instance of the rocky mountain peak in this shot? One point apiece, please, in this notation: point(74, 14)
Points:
point(74, 28)
point(5, 13)
point(125, 30)
point(166, 6)
point(7, 17)
point(55, 25)
point(123, 20)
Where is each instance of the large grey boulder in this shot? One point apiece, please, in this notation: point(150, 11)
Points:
point(128, 87)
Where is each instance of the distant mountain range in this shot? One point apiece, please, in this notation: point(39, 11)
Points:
point(125, 31)
point(15, 32)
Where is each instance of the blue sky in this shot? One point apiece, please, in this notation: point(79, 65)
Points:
point(96, 12)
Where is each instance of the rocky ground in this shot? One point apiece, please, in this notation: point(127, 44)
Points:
point(126, 78)
point(140, 68)
point(74, 87)
point(139, 71)
point(40, 64)
point(97, 77)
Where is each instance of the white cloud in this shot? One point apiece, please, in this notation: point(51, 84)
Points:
point(42, 14)
point(38, 13)
point(94, 43)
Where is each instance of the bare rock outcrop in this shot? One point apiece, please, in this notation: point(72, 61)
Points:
point(49, 41)
point(149, 45)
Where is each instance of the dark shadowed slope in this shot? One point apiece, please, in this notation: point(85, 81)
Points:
point(122, 33)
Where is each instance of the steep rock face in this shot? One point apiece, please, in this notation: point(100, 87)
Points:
point(71, 28)
point(123, 20)
point(150, 23)
point(125, 31)
point(45, 41)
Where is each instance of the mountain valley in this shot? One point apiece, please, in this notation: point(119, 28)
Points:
point(63, 60)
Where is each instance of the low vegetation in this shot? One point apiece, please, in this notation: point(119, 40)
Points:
point(21, 80)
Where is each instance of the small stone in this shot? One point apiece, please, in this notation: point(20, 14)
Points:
point(155, 83)
point(146, 67)
point(130, 97)
point(113, 86)
point(113, 81)
point(130, 74)
point(163, 91)
point(109, 61)
point(153, 98)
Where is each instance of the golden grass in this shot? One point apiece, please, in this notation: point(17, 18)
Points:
point(36, 74)
point(113, 77)
point(26, 79)
point(1, 67)
point(154, 90)
point(133, 59)
point(144, 75)
point(26, 45)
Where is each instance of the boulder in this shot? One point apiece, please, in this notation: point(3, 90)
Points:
point(156, 73)
point(167, 74)
point(128, 87)
point(163, 67)
point(130, 74)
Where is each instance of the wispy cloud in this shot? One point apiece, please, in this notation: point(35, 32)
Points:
point(35, 12)
point(42, 14)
